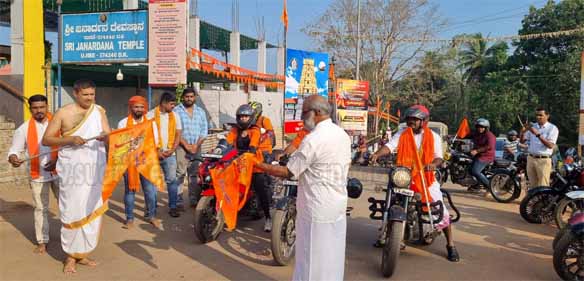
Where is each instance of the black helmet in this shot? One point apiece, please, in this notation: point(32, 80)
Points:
point(418, 111)
point(354, 188)
point(482, 122)
point(245, 110)
point(512, 133)
point(257, 108)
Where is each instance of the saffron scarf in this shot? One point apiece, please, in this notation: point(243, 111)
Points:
point(32, 142)
point(171, 128)
point(409, 156)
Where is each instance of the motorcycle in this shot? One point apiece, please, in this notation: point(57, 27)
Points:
point(283, 238)
point(574, 200)
point(458, 165)
point(539, 205)
point(568, 246)
point(208, 218)
point(405, 217)
point(505, 183)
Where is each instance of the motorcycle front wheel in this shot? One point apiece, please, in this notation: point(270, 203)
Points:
point(503, 188)
point(568, 257)
point(283, 236)
point(391, 249)
point(534, 207)
point(208, 222)
point(564, 211)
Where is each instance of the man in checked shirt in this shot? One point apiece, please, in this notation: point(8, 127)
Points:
point(195, 127)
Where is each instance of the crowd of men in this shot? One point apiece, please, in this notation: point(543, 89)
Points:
point(67, 154)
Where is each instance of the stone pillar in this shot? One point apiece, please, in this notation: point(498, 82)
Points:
point(195, 38)
point(261, 62)
point(10, 177)
point(281, 64)
point(234, 52)
point(17, 37)
point(130, 4)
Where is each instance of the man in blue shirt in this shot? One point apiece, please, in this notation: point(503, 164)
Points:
point(194, 129)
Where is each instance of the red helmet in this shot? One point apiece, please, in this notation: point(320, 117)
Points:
point(418, 111)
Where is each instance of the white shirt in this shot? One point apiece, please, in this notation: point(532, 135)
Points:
point(549, 132)
point(321, 165)
point(164, 124)
point(20, 146)
point(122, 124)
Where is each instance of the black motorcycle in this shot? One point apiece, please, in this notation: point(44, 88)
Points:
point(569, 249)
point(283, 237)
point(458, 166)
point(539, 205)
point(505, 183)
point(403, 217)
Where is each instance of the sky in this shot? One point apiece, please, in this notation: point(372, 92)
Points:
point(490, 17)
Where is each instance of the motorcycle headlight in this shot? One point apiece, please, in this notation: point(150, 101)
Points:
point(401, 177)
point(447, 156)
point(208, 179)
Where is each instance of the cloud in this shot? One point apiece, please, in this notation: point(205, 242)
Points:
point(291, 85)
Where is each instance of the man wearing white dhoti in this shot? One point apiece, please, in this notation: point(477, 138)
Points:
point(321, 165)
point(80, 167)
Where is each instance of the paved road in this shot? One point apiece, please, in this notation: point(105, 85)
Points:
point(493, 240)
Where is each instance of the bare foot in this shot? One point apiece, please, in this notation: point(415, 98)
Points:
point(40, 249)
point(88, 262)
point(69, 266)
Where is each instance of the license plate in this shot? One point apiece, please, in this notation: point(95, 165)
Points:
point(207, 155)
point(403, 191)
point(294, 183)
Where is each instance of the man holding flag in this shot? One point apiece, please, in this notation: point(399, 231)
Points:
point(132, 179)
point(420, 149)
point(42, 165)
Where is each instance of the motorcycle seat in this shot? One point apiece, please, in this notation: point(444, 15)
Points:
point(502, 163)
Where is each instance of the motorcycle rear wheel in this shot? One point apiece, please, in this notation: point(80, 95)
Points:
point(208, 222)
point(568, 255)
point(503, 188)
point(532, 205)
point(391, 249)
point(283, 236)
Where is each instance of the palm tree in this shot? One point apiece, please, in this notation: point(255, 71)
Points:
point(477, 58)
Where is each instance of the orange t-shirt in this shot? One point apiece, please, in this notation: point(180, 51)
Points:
point(266, 138)
point(299, 137)
point(254, 136)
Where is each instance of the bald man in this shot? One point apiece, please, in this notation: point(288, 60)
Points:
point(321, 165)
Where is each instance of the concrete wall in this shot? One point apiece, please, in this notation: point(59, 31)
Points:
point(10, 104)
point(10, 177)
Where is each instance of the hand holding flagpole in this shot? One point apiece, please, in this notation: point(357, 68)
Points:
point(62, 147)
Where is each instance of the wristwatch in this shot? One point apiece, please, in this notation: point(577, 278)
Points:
point(537, 136)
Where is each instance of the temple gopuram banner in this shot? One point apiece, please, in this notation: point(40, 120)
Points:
point(306, 74)
point(352, 94)
point(353, 120)
point(167, 52)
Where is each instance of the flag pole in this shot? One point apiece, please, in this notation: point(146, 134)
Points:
point(285, 22)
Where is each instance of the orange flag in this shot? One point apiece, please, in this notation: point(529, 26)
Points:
point(231, 184)
point(284, 17)
point(463, 129)
point(132, 147)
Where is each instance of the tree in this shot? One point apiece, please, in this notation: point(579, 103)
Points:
point(383, 23)
point(551, 65)
point(477, 58)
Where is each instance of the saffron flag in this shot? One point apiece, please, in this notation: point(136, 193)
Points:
point(284, 17)
point(231, 184)
point(463, 129)
point(132, 148)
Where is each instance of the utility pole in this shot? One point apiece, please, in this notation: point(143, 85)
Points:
point(358, 38)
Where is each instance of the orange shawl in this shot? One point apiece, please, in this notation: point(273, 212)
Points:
point(32, 142)
point(171, 128)
point(409, 156)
